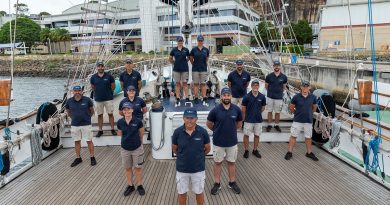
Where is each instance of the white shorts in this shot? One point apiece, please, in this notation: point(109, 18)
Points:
point(274, 105)
point(228, 153)
point(197, 180)
point(81, 132)
point(297, 128)
point(108, 105)
point(199, 77)
point(237, 101)
point(252, 128)
point(180, 77)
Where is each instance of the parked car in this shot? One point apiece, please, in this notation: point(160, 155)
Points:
point(258, 50)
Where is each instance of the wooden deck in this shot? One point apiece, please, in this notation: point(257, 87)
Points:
point(270, 180)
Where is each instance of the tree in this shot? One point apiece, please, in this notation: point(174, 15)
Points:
point(303, 32)
point(3, 13)
point(44, 35)
point(22, 9)
point(27, 31)
point(44, 13)
point(265, 31)
point(60, 35)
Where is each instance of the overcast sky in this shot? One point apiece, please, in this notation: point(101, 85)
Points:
point(36, 6)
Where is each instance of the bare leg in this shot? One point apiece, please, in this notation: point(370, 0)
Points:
point(277, 118)
point(308, 145)
point(232, 171)
point(200, 199)
point(256, 142)
point(246, 142)
point(291, 144)
point(182, 199)
point(178, 88)
point(129, 176)
point(77, 147)
point(111, 120)
point(196, 90)
point(217, 172)
point(90, 148)
point(269, 118)
point(138, 176)
point(100, 122)
point(185, 88)
point(204, 90)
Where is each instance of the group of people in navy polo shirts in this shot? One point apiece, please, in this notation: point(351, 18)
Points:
point(190, 142)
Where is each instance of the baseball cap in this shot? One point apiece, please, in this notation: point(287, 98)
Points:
point(190, 113)
point(200, 38)
point(255, 81)
point(179, 38)
point(130, 87)
point(276, 62)
point(239, 62)
point(77, 88)
point(129, 61)
point(99, 63)
point(127, 105)
point(305, 83)
point(226, 90)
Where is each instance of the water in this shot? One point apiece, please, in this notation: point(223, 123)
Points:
point(31, 92)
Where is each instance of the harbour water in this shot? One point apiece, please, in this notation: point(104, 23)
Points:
point(30, 92)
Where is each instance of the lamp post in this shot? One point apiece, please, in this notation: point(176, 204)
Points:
point(239, 35)
point(282, 26)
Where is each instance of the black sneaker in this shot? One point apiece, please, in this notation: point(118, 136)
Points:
point(177, 102)
point(196, 100)
point(216, 188)
point(246, 154)
point(256, 153)
point(76, 162)
point(113, 132)
point(312, 156)
point(269, 127)
point(99, 134)
point(93, 161)
point(187, 100)
point(277, 128)
point(128, 190)
point(288, 156)
point(141, 190)
point(233, 186)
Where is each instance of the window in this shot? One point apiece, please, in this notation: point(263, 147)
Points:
point(228, 12)
point(129, 21)
point(76, 22)
point(60, 24)
point(128, 32)
point(172, 30)
point(168, 17)
point(104, 21)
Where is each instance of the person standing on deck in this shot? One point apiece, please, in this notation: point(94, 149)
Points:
point(199, 57)
point(139, 105)
point(130, 77)
point(179, 57)
point(80, 109)
point(238, 81)
point(224, 120)
point(131, 131)
point(253, 105)
point(190, 143)
point(275, 83)
point(103, 86)
point(302, 105)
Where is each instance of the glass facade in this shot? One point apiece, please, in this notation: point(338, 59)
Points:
point(129, 21)
point(60, 24)
point(135, 32)
point(168, 17)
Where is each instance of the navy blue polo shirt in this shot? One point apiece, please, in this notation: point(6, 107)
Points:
point(130, 133)
point(275, 85)
point(181, 63)
point(103, 91)
point(225, 129)
point(138, 104)
point(80, 110)
point(190, 149)
point(303, 108)
point(239, 83)
point(131, 79)
point(200, 57)
point(253, 107)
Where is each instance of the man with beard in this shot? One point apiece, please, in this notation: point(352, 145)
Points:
point(139, 105)
point(179, 58)
point(190, 143)
point(80, 109)
point(103, 86)
point(302, 105)
point(130, 77)
point(253, 104)
point(238, 81)
point(275, 83)
point(199, 57)
point(224, 120)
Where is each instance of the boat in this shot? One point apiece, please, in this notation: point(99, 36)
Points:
point(44, 176)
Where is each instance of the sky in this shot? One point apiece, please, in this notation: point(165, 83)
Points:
point(36, 6)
